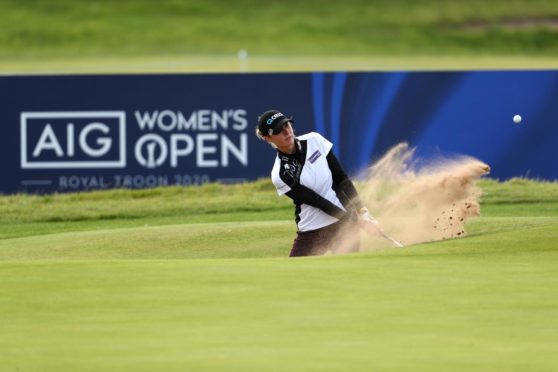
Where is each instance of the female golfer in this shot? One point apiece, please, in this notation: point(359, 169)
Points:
point(327, 206)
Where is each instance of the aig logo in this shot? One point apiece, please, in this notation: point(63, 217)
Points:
point(82, 139)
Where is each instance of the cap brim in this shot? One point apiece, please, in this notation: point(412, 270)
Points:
point(279, 127)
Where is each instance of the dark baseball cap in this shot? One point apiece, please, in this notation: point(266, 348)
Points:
point(272, 122)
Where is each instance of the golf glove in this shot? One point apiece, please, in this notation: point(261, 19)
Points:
point(369, 223)
point(364, 215)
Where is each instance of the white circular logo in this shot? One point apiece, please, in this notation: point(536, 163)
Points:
point(151, 143)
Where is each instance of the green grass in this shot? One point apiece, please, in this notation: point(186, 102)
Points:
point(25, 215)
point(197, 35)
point(229, 63)
point(199, 240)
point(64, 27)
point(197, 278)
point(396, 311)
point(201, 290)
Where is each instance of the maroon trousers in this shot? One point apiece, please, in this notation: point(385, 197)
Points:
point(342, 236)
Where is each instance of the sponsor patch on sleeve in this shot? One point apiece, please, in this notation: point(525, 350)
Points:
point(314, 156)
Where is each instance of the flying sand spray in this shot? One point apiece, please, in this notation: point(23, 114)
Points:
point(419, 204)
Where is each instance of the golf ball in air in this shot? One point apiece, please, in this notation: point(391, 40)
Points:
point(517, 119)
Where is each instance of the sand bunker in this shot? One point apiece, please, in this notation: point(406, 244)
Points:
point(419, 203)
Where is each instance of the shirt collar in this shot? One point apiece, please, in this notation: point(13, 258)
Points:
point(298, 148)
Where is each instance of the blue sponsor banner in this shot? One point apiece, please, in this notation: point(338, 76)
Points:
point(71, 133)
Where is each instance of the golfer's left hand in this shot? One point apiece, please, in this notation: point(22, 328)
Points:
point(367, 222)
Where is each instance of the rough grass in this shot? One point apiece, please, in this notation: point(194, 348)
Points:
point(125, 207)
point(32, 28)
point(178, 217)
point(23, 214)
point(139, 36)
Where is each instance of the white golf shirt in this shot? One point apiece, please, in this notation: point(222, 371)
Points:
point(308, 167)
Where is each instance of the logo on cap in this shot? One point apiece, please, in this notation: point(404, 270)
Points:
point(272, 118)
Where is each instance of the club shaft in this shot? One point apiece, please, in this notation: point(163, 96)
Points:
point(392, 240)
